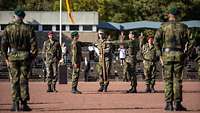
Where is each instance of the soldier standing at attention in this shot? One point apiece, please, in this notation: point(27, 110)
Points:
point(52, 54)
point(104, 61)
point(19, 48)
point(131, 61)
point(76, 61)
point(149, 60)
point(171, 43)
point(196, 44)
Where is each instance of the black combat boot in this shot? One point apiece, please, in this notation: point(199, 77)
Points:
point(49, 88)
point(25, 106)
point(54, 88)
point(15, 106)
point(132, 90)
point(75, 91)
point(153, 89)
point(179, 107)
point(105, 87)
point(148, 90)
point(101, 87)
point(169, 106)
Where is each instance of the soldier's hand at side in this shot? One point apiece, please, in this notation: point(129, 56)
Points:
point(7, 62)
point(141, 37)
point(75, 65)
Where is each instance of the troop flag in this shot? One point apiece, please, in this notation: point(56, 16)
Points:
point(69, 10)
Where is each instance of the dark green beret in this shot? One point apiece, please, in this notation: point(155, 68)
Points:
point(173, 10)
point(20, 13)
point(74, 34)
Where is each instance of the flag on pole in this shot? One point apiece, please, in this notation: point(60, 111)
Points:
point(69, 9)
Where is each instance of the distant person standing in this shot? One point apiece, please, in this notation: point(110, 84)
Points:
point(64, 53)
point(171, 42)
point(19, 48)
point(148, 54)
point(52, 54)
point(122, 54)
point(121, 37)
point(76, 61)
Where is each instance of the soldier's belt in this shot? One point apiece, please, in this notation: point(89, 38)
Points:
point(172, 49)
point(149, 60)
point(16, 50)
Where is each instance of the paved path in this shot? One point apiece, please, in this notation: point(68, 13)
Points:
point(114, 101)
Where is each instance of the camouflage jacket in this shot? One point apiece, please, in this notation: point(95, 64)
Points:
point(104, 48)
point(76, 52)
point(19, 41)
point(51, 51)
point(172, 41)
point(196, 43)
point(148, 53)
point(133, 48)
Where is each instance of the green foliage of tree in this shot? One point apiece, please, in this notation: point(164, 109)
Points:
point(115, 10)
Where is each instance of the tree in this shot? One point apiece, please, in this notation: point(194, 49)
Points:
point(115, 10)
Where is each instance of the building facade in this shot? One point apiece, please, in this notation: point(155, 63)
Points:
point(44, 21)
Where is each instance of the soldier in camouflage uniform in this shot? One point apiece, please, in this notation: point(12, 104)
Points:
point(76, 61)
point(196, 37)
point(171, 41)
point(52, 54)
point(131, 61)
point(19, 48)
point(104, 48)
point(148, 54)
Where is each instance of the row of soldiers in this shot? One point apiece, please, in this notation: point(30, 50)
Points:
point(172, 44)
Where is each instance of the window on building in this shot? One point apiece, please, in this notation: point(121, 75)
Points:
point(87, 28)
point(35, 27)
point(47, 27)
point(63, 27)
point(58, 27)
point(3, 26)
point(74, 27)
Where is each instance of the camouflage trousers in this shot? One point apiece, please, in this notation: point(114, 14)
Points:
point(198, 62)
point(129, 71)
point(173, 81)
point(52, 73)
point(75, 76)
point(149, 72)
point(19, 72)
point(103, 79)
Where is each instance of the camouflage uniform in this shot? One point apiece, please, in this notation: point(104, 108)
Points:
point(19, 48)
point(130, 64)
point(171, 40)
point(149, 60)
point(76, 59)
point(196, 41)
point(103, 66)
point(198, 60)
point(52, 54)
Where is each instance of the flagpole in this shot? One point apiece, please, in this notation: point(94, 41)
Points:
point(60, 32)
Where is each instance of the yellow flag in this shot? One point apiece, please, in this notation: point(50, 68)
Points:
point(68, 4)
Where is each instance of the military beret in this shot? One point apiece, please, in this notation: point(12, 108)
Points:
point(50, 33)
point(150, 37)
point(74, 34)
point(173, 10)
point(20, 13)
